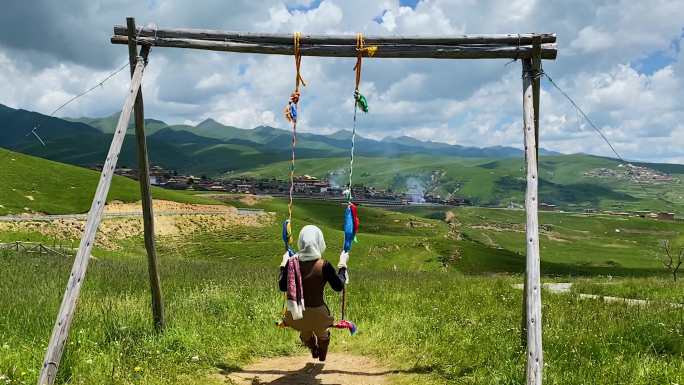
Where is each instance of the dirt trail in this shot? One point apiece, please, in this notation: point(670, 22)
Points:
point(166, 206)
point(171, 219)
point(339, 369)
point(565, 288)
point(247, 199)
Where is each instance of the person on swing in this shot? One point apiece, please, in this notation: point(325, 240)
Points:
point(303, 277)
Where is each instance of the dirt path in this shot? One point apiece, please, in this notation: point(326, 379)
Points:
point(339, 369)
point(124, 220)
point(565, 288)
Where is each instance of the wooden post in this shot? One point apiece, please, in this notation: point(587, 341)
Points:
point(532, 294)
point(60, 331)
point(144, 179)
point(536, 82)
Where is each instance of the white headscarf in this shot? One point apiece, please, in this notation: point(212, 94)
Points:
point(311, 243)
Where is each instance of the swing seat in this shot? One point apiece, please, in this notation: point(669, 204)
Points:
point(342, 324)
point(345, 324)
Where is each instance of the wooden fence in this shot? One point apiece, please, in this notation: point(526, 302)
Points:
point(37, 248)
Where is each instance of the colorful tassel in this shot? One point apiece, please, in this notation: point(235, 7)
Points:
point(361, 101)
point(351, 226)
point(345, 324)
point(287, 236)
point(291, 108)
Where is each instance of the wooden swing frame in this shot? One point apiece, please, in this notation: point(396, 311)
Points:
point(529, 48)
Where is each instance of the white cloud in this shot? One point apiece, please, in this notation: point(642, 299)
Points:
point(469, 103)
point(641, 114)
point(326, 15)
point(590, 39)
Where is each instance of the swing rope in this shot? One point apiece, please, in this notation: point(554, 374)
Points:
point(291, 112)
point(359, 102)
point(351, 159)
point(351, 218)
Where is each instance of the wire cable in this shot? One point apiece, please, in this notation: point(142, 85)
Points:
point(99, 84)
point(581, 112)
point(584, 115)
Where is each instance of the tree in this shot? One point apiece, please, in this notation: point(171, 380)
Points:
point(673, 259)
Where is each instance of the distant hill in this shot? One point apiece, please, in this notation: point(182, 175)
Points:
point(17, 124)
point(486, 176)
point(210, 147)
point(107, 124)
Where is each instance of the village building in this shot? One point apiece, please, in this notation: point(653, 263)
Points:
point(547, 207)
point(666, 216)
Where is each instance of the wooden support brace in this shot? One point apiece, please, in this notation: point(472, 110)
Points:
point(144, 179)
point(532, 293)
point(60, 331)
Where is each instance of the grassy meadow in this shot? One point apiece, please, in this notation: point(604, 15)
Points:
point(31, 185)
point(432, 299)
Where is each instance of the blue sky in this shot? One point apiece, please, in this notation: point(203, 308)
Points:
point(621, 60)
point(659, 59)
point(303, 7)
point(408, 3)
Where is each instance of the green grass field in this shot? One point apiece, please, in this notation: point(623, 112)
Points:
point(31, 184)
point(421, 292)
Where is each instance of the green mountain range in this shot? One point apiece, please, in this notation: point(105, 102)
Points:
point(208, 148)
point(485, 176)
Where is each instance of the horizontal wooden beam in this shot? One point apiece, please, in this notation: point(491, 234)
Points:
point(282, 38)
point(548, 51)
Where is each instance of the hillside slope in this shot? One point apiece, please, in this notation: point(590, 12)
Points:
point(499, 182)
point(30, 184)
